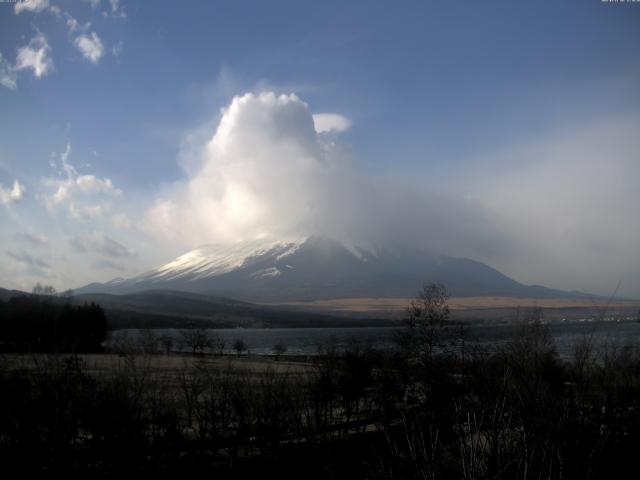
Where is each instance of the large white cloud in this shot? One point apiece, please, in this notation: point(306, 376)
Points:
point(268, 172)
point(36, 56)
point(265, 172)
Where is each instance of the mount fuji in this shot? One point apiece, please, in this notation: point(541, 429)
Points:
point(316, 268)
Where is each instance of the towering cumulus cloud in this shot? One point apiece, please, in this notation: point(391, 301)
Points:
point(271, 171)
point(265, 172)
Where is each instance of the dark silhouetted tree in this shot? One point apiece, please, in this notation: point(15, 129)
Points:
point(279, 349)
point(426, 316)
point(239, 346)
point(196, 339)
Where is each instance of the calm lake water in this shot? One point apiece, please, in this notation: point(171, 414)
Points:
point(306, 341)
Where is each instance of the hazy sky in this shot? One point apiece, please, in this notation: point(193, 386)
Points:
point(508, 132)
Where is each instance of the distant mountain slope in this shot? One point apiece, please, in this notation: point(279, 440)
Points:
point(7, 294)
point(318, 268)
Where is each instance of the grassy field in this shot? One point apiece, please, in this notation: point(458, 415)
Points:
point(460, 303)
point(169, 365)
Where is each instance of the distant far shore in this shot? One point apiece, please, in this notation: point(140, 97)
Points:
point(459, 303)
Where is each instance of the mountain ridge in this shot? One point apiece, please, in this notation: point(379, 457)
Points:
point(318, 267)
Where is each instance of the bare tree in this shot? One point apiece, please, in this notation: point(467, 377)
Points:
point(167, 342)
point(532, 336)
point(196, 339)
point(191, 386)
point(426, 316)
point(44, 290)
point(217, 344)
point(148, 341)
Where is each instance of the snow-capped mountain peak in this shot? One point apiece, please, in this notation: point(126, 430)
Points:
point(315, 267)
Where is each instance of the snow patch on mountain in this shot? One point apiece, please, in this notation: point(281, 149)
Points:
point(215, 260)
point(291, 249)
point(266, 273)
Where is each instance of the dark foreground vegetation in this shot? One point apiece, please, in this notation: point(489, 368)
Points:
point(430, 409)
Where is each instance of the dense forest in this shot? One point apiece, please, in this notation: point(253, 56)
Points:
point(47, 323)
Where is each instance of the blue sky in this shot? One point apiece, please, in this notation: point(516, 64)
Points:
point(522, 114)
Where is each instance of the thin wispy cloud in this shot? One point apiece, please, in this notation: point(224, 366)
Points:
point(35, 6)
point(34, 263)
point(85, 195)
point(94, 3)
point(122, 221)
point(108, 264)
point(99, 242)
point(116, 50)
point(116, 10)
point(73, 24)
point(33, 241)
point(8, 77)
point(87, 212)
point(90, 46)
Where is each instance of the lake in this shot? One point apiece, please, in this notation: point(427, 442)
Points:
point(306, 341)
